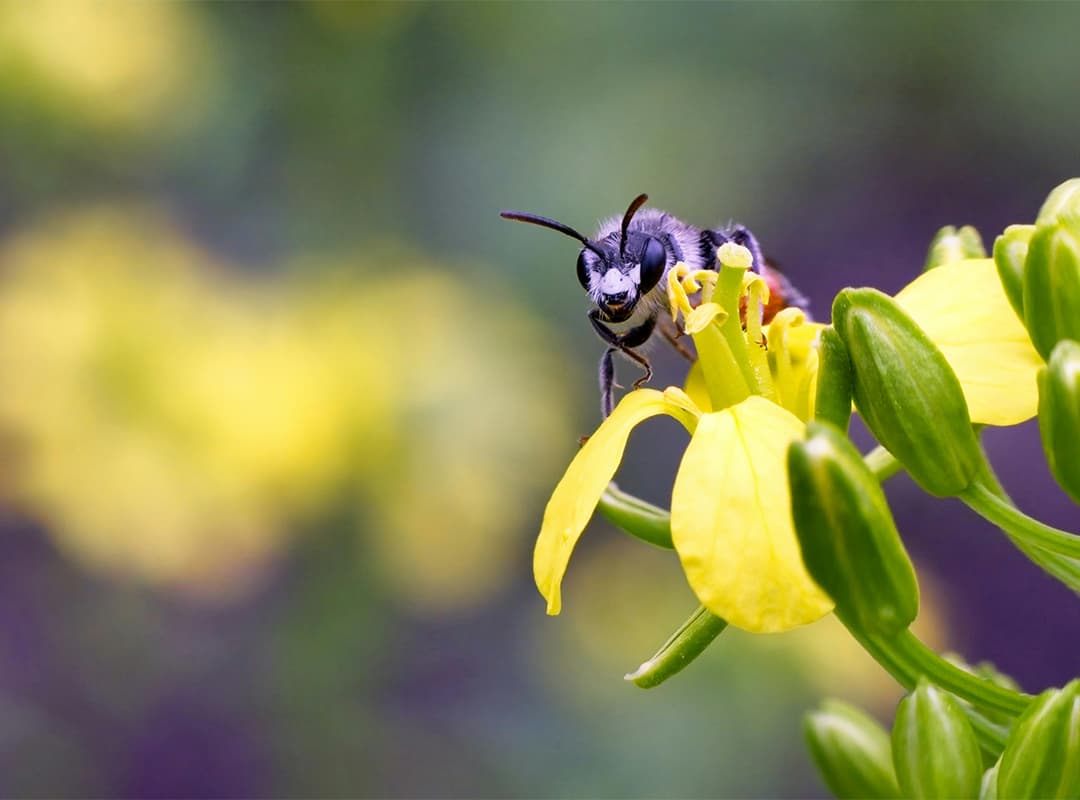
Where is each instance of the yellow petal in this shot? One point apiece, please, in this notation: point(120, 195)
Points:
point(696, 388)
point(963, 309)
point(731, 520)
point(575, 498)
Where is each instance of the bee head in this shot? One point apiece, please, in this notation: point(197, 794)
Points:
point(617, 271)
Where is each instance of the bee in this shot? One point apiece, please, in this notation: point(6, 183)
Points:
point(624, 270)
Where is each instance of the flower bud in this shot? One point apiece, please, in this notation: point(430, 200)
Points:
point(935, 751)
point(833, 401)
point(1059, 415)
point(1052, 286)
point(1042, 756)
point(906, 392)
point(1010, 252)
point(1061, 204)
point(851, 752)
point(950, 244)
point(849, 541)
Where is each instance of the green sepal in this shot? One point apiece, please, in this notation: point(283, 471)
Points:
point(849, 542)
point(1042, 755)
point(1010, 252)
point(1059, 415)
point(906, 392)
point(935, 752)
point(1062, 204)
point(851, 751)
point(1052, 286)
point(950, 244)
point(833, 401)
point(681, 648)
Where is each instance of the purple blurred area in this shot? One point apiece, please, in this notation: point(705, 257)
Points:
point(282, 399)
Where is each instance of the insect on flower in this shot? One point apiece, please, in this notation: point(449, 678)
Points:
point(624, 269)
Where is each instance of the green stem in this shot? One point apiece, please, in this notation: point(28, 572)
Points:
point(1018, 524)
point(1066, 570)
point(686, 644)
point(647, 522)
point(906, 658)
point(906, 664)
point(950, 677)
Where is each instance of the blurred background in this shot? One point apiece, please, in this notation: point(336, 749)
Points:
point(281, 398)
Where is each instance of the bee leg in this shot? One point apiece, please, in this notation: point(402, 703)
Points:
point(670, 331)
point(643, 363)
point(623, 344)
point(607, 382)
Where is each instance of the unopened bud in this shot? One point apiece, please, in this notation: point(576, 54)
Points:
point(1010, 253)
point(935, 751)
point(849, 542)
point(851, 752)
point(1042, 756)
point(950, 244)
point(833, 401)
point(1061, 204)
point(1052, 286)
point(906, 392)
point(1059, 415)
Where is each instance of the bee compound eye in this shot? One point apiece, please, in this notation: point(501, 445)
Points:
point(582, 270)
point(653, 261)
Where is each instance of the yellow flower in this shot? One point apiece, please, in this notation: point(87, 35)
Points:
point(730, 522)
point(747, 398)
point(962, 307)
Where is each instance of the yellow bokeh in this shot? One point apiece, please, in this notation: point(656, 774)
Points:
point(174, 423)
point(118, 64)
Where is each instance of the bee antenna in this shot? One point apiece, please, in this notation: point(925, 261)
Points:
point(635, 204)
point(544, 222)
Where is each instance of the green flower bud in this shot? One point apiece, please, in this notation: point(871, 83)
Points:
point(950, 244)
point(833, 402)
point(1059, 415)
point(1061, 204)
point(935, 751)
point(851, 752)
point(849, 542)
point(1042, 756)
point(1010, 252)
point(906, 392)
point(1052, 286)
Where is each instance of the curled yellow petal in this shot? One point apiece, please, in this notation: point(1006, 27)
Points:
point(575, 498)
point(700, 317)
point(731, 520)
point(964, 310)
